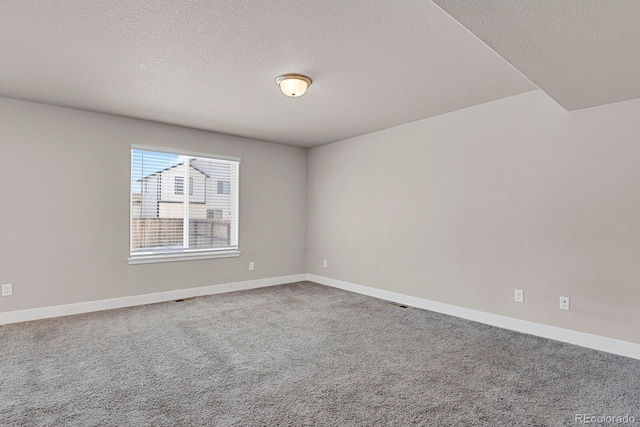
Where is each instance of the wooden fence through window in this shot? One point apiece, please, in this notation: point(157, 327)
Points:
point(162, 232)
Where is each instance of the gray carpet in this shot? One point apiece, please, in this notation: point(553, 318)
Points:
point(298, 354)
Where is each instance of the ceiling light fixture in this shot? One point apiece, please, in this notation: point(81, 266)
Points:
point(293, 85)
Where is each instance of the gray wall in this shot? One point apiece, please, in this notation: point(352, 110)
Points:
point(461, 208)
point(64, 207)
point(465, 207)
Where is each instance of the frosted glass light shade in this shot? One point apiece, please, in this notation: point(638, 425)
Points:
point(293, 85)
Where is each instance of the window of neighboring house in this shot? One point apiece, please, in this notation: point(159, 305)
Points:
point(179, 185)
point(214, 213)
point(224, 187)
point(170, 227)
point(146, 185)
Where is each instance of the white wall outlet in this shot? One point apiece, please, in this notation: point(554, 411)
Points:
point(519, 295)
point(7, 290)
point(251, 266)
point(564, 303)
point(325, 263)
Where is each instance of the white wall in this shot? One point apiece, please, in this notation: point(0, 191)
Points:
point(64, 226)
point(465, 207)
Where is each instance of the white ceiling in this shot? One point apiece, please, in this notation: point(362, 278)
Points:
point(212, 65)
point(582, 53)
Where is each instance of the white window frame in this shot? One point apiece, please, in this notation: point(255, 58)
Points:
point(195, 254)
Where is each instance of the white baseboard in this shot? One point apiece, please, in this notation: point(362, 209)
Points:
point(610, 345)
point(596, 342)
point(110, 304)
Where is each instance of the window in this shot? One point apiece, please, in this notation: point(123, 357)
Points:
point(214, 213)
point(224, 187)
point(172, 224)
point(179, 185)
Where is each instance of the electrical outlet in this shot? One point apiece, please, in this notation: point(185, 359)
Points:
point(251, 266)
point(325, 263)
point(519, 295)
point(7, 290)
point(564, 303)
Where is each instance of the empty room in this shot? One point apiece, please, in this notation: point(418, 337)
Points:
point(319, 213)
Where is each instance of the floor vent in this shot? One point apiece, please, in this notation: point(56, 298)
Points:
point(397, 304)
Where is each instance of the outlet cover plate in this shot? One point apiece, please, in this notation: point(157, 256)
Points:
point(519, 295)
point(7, 290)
point(564, 303)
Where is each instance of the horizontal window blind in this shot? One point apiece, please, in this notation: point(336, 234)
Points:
point(176, 205)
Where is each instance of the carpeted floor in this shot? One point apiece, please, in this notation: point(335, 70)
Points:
point(299, 354)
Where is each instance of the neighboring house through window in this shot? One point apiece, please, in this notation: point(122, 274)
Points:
point(166, 223)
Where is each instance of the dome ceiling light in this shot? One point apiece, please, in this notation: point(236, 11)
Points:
point(293, 85)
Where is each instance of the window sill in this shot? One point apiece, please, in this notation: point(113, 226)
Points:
point(148, 259)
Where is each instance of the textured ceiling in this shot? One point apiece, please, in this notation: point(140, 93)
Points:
point(212, 65)
point(582, 53)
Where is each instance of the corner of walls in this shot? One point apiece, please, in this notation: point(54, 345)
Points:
point(463, 208)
